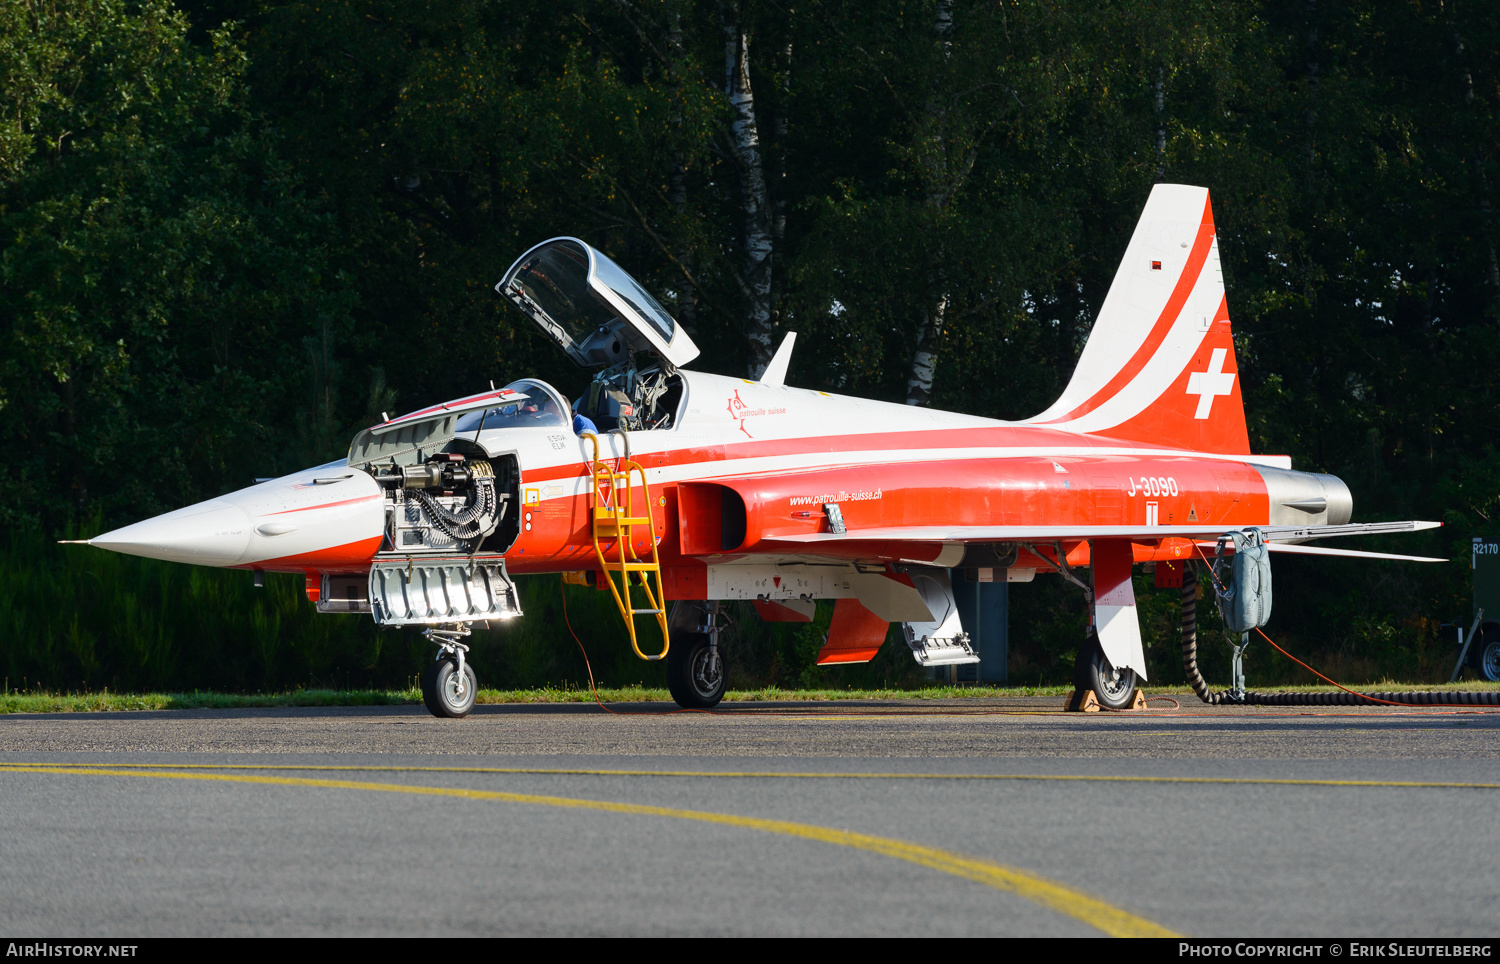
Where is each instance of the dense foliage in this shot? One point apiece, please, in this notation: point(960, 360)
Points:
point(232, 231)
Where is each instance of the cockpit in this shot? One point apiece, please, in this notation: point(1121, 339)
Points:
point(538, 407)
point(444, 490)
point(601, 316)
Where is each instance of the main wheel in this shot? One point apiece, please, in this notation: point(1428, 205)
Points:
point(695, 675)
point(1093, 671)
point(1484, 654)
point(446, 693)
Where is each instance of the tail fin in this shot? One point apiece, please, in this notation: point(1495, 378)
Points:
point(1159, 365)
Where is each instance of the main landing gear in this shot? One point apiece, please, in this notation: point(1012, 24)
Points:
point(695, 669)
point(1114, 688)
point(448, 684)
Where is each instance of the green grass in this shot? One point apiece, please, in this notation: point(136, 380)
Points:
point(116, 702)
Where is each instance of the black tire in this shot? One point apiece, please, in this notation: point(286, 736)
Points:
point(696, 682)
point(1092, 671)
point(440, 689)
point(1484, 654)
point(1082, 678)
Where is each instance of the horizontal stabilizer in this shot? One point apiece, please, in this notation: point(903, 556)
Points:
point(1301, 550)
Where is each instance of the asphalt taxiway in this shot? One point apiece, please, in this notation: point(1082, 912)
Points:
point(908, 818)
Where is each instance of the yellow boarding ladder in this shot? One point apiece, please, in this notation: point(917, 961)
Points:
point(614, 520)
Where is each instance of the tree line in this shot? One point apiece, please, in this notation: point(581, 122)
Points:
point(232, 232)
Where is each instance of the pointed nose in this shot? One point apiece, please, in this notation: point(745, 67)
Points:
point(212, 533)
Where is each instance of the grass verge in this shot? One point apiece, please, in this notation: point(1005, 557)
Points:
point(116, 702)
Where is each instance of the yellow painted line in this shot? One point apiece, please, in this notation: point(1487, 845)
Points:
point(771, 774)
point(1054, 896)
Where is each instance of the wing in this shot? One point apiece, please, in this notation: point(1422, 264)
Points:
point(1282, 538)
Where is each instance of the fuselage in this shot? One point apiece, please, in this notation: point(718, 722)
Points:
point(905, 475)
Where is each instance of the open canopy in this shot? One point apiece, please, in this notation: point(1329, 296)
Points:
point(591, 307)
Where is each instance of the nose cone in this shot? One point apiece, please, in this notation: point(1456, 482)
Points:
point(212, 533)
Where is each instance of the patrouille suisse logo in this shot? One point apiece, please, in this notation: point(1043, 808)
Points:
point(739, 411)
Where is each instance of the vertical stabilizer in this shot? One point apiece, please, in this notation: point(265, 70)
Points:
point(1159, 365)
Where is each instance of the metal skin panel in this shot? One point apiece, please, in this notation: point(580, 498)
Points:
point(1306, 498)
point(432, 592)
point(891, 595)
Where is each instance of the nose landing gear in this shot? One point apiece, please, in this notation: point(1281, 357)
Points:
point(448, 684)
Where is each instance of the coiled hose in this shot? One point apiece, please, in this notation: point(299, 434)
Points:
point(1346, 698)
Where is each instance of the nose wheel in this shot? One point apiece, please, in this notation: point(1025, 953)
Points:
point(449, 688)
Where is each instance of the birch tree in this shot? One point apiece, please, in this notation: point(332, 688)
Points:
point(940, 189)
point(755, 202)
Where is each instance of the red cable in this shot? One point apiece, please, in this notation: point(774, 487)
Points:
point(593, 691)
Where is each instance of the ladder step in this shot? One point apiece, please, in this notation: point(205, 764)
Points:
point(610, 520)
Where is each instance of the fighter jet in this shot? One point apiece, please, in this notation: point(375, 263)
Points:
point(659, 484)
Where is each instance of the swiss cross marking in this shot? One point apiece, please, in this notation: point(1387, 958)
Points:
point(1207, 385)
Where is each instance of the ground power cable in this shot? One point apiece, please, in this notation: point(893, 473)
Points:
point(1348, 697)
point(588, 667)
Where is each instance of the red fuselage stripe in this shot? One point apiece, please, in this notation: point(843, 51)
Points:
point(327, 505)
point(911, 445)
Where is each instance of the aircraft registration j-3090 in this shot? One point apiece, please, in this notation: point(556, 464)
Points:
point(696, 488)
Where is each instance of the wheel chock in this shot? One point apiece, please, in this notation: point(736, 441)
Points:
point(1082, 701)
point(1085, 701)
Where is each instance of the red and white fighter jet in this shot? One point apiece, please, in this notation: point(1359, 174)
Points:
point(699, 488)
